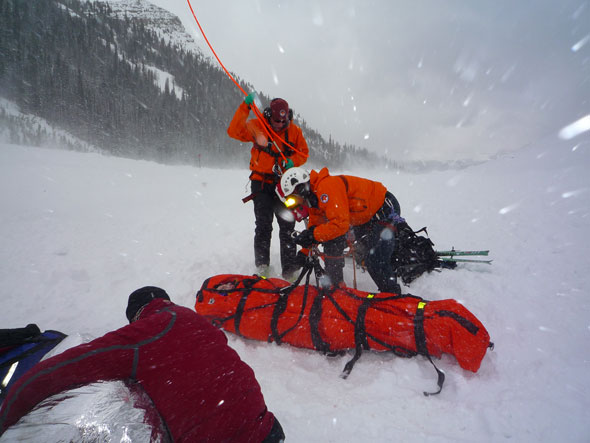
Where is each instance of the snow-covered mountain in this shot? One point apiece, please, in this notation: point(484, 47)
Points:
point(147, 91)
point(81, 231)
point(167, 25)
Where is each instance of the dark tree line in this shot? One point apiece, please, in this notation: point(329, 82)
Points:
point(86, 71)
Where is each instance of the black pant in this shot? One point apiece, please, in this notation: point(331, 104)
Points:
point(266, 204)
point(334, 259)
point(378, 238)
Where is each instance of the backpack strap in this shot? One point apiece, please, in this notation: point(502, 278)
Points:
point(420, 337)
point(237, 316)
point(360, 335)
point(268, 149)
point(240, 312)
point(240, 308)
point(465, 323)
point(344, 180)
point(281, 304)
point(315, 316)
point(287, 147)
point(280, 307)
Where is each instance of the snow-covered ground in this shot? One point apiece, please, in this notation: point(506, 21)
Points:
point(80, 231)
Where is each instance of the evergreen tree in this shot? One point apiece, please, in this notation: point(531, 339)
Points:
point(84, 70)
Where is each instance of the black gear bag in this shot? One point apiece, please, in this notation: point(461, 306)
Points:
point(414, 254)
point(20, 350)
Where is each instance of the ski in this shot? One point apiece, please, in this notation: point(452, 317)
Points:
point(453, 252)
point(464, 260)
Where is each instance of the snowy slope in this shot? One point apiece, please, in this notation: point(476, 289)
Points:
point(81, 231)
point(167, 25)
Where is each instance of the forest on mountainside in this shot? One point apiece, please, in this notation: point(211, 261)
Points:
point(96, 75)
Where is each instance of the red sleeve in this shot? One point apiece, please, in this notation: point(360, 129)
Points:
point(107, 358)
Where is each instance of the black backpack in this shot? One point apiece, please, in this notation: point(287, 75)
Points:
point(20, 350)
point(414, 254)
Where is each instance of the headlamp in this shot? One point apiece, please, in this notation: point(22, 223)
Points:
point(292, 202)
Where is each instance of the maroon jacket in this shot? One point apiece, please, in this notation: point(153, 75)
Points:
point(201, 388)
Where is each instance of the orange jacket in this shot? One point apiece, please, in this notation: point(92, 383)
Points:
point(261, 162)
point(343, 201)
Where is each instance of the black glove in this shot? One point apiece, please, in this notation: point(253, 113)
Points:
point(306, 238)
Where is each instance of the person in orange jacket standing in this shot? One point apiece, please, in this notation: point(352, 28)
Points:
point(269, 159)
point(338, 203)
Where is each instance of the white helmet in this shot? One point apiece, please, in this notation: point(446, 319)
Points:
point(290, 179)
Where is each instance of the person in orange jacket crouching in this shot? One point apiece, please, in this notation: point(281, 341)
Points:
point(338, 203)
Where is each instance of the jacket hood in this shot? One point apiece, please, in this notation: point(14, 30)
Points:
point(316, 177)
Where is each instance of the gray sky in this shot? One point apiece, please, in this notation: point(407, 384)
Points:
point(415, 79)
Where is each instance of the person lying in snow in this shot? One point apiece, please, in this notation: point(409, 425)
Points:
point(197, 383)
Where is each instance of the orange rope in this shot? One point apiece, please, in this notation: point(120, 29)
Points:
point(213, 50)
point(267, 128)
